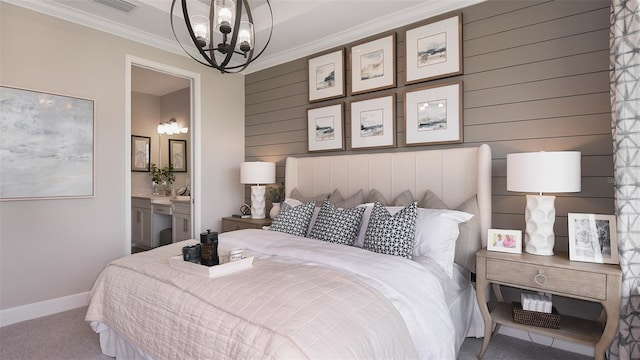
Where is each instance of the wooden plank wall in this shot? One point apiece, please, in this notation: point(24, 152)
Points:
point(535, 78)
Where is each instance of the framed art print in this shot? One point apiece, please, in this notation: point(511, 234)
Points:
point(593, 238)
point(433, 115)
point(325, 128)
point(140, 153)
point(505, 241)
point(51, 138)
point(326, 76)
point(178, 155)
point(373, 65)
point(434, 50)
point(373, 122)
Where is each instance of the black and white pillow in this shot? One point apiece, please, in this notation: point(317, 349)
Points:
point(337, 226)
point(294, 220)
point(391, 235)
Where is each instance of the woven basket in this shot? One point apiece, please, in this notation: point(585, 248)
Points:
point(535, 318)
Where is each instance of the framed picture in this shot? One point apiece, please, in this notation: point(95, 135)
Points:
point(505, 241)
point(373, 122)
point(140, 153)
point(373, 65)
point(593, 238)
point(433, 115)
point(52, 138)
point(326, 76)
point(178, 155)
point(325, 128)
point(434, 49)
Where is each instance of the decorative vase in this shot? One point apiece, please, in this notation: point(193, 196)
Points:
point(274, 210)
point(155, 188)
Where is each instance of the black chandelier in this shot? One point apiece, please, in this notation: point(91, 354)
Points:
point(230, 25)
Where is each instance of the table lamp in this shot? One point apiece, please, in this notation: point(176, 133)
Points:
point(257, 173)
point(542, 172)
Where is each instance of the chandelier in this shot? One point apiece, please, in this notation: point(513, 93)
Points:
point(227, 31)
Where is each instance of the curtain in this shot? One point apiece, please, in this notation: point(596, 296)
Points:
point(625, 103)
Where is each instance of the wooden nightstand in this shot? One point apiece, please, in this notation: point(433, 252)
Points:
point(233, 223)
point(555, 275)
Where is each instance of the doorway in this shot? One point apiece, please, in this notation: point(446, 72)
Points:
point(179, 84)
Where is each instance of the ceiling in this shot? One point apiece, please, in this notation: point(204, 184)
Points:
point(301, 27)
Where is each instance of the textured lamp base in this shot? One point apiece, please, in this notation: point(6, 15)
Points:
point(540, 216)
point(257, 202)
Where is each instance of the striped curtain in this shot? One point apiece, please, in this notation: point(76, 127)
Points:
point(625, 102)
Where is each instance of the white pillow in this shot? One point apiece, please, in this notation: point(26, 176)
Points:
point(436, 235)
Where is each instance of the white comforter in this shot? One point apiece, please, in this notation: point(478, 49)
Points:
point(302, 298)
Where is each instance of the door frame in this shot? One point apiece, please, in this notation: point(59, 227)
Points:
point(195, 136)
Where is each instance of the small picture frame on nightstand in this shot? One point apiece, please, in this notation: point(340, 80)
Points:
point(593, 238)
point(509, 241)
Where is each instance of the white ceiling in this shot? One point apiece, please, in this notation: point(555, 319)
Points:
point(301, 27)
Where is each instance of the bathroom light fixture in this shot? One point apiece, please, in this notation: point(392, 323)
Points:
point(542, 172)
point(228, 30)
point(171, 127)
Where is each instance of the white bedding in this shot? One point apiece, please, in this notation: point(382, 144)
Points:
point(276, 309)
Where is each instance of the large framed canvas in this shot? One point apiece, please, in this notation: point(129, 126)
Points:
point(373, 122)
point(325, 128)
point(434, 49)
point(326, 76)
point(178, 155)
point(47, 147)
point(433, 115)
point(140, 153)
point(373, 65)
point(593, 238)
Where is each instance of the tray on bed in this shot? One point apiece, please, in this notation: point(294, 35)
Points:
point(210, 271)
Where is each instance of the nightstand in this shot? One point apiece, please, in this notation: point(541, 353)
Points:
point(234, 223)
point(555, 275)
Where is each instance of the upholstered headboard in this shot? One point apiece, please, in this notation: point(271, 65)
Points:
point(454, 175)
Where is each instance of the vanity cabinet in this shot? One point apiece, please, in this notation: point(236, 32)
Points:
point(181, 221)
point(141, 222)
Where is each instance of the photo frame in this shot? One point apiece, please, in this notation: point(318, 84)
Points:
point(325, 127)
point(140, 153)
point(433, 115)
point(326, 76)
point(593, 238)
point(433, 49)
point(373, 65)
point(178, 155)
point(55, 137)
point(373, 122)
point(509, 241)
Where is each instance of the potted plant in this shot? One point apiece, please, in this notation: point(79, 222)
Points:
point(162, 179)
point(276, 195)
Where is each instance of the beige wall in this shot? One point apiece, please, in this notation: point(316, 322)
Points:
point(535, 78)
point(55, 248)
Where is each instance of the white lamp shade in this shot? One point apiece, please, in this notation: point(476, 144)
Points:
point(257, 172)
point(544, 172)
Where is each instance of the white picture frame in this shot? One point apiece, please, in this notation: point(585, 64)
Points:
point(433, 49)
point(326, 76)
point(593, 238)
point(509, 241)
point(325, 128)
point(373, 65)
point(373, 122)
point(433, 115)
point(55, 135)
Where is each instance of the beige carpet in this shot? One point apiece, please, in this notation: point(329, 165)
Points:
point(66, 336)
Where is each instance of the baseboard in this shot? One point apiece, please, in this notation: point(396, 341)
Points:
point(43, 308)
point(546, 341)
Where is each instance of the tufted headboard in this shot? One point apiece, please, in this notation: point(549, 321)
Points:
point(454, 175)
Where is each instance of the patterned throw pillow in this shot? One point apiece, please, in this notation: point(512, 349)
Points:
point(391, 235)
point(294, 220)
point(337, 226)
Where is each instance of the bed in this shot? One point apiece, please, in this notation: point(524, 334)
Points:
point(308, 298)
